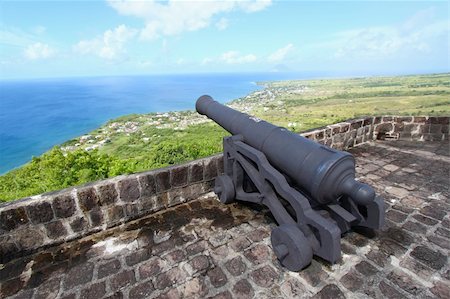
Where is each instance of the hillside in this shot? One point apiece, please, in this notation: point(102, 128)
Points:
point(141, 142)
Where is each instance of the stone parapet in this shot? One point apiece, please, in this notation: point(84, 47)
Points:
point(350, 133)
point(53, 218)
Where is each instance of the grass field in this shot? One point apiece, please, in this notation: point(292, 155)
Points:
point(135, 143)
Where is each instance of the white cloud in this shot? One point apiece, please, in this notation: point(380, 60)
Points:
point(38, 51)
point(280, 54)
point(111, 45)
point(415, 34)
point(174, 17)
point(39, 29)
point(222, 24)
point(234, 57)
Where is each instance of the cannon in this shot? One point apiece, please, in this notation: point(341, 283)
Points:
point(309, 188)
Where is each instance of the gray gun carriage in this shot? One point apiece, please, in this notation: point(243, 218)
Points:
point(309, 188)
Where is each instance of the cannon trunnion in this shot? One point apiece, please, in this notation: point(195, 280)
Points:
point(309, 188)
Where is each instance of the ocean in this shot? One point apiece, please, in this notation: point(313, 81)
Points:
point(36, 115)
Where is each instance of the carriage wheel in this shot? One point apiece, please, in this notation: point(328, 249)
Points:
point(291, 247)
point(224, 188)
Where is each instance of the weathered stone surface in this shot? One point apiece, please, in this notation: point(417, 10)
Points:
point(162, 180)
point(240, 244)
point(236, 266)
point(243, 289)
point(179, 176)
point(330, 291)
point(128, 189)
point(264, 276)
point(171, 277)
point(78, 224)
point(107, 194)
point(352, 281)
point(95, 291)
point(64, 206)
point(151, 268)
point(48, 289)
point(196, 172)
point(195, 288)
point(96, 217)
point(40, 212)
point(122, 279)
point(142, 290)
point(217, 277)
point(148, 185)
point(138, 256)
point(258, 254)
point(389, 291)
point(115, 214)
point(109, 268)
point(87, 199)
point(429, 257)
point(366, 269)
point(210, 170)
point(199, 263)
point(78, 275)
point(12, 218)
point(29, 238)
point(55, 230)
point(293, 288)
point(441, 290)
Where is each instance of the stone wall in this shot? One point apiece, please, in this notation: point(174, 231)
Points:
point(48, 219)
point(353, 132)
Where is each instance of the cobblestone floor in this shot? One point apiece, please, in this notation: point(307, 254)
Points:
point(205, 249)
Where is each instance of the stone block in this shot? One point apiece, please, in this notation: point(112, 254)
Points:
point(115, 214)
point(122, 280)
point(423, 129)
point(55, 230)
point(7, 249)
point(243, 289)
point(236, 266)
point(319, 135)
point(368, 121)
point(420, 119)
point(403, 119)
point(356, 124)
point(64, 206)
point(330, 291)
point(387, 118)
point(198, 264)
point(128, 189)
point(13, 218)
point(352, 281)
point(131, 210)
point(148, 185)
point(109, 268)
point(78, 275)
point(210, 170)
point(179, 176)
point(366, 269)
point(29, 238)
point(162, 179)
point(389, 291)
point(435, 129)
point(195, 288)
point(258, 254)
point(169, 278)
point(178, 196)
point(96, 217)
point(107, 194)
point(79, 224)
point(151, 267)
point(265, 276)
point(220, 166)
point(217, 277)
point(377, 120)
point(87, 199)
point(41, 212)
point(141, 291)
point(196, 172)
point(429, 257)
point(95, 291)
point(137, 257)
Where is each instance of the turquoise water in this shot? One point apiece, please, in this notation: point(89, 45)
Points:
point(36, 115)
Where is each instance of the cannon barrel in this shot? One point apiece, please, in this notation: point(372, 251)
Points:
point(324, 173)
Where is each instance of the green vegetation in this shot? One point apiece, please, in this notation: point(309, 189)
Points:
point(134, 143)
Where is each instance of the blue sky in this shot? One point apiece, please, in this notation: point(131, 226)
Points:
point(89, 38)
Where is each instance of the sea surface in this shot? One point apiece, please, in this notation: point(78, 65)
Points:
point(36, 115)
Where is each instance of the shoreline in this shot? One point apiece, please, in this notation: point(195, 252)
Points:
point(262, 100)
